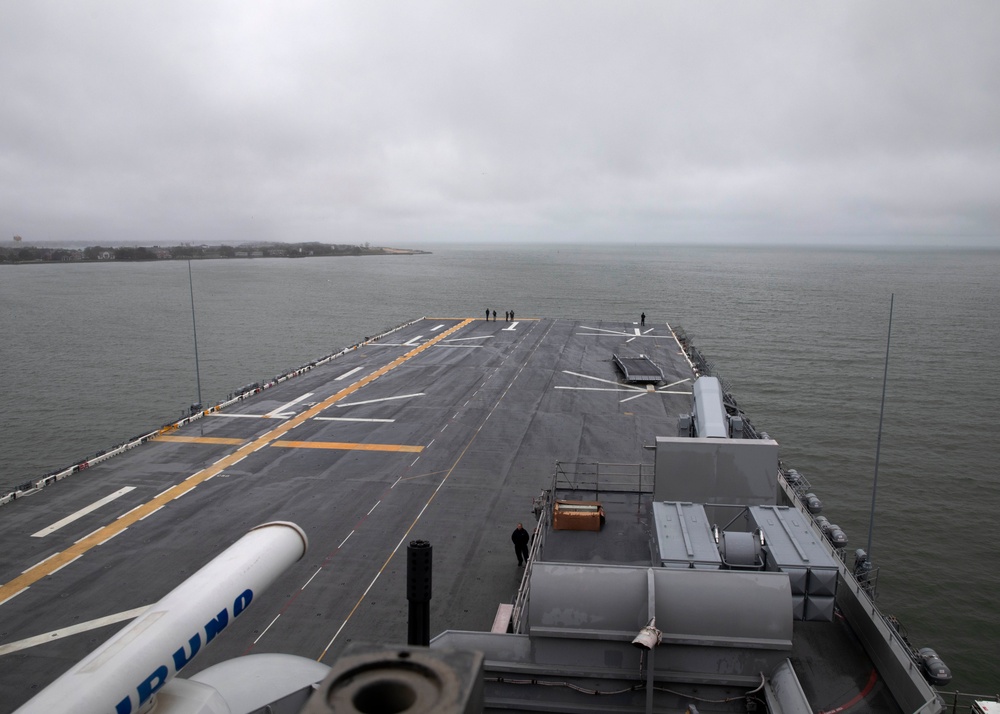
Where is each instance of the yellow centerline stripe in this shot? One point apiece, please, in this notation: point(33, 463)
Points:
point(199, 439)
point(347, 446)
point(53, 563)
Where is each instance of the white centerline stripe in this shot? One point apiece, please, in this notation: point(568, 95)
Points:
point(375, 401)
point(347, 374)
point(373, 507)
point(311, 579)
point(436, 328)
point(385, 421)
point(82, 512)
point(345, 540)
point(267, 628)
point(413, 342)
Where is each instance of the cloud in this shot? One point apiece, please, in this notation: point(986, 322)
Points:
point(401, 122)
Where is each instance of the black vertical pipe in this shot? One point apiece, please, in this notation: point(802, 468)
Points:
point(418, 592)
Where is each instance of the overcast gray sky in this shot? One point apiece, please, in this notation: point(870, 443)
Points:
point(407, 123)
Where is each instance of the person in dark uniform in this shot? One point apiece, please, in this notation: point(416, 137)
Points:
point(512, 316)
point(487, 314)
point(494, 316)
point(520, 539)
point(642, 319)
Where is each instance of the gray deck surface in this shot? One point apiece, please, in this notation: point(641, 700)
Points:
point(491, 408)
point(443, 431)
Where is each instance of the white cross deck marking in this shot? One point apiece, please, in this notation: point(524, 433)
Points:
point(82, 512)
point(71, 630)
point(279, 411)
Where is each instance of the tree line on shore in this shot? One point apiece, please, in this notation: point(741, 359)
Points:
point(32, 254)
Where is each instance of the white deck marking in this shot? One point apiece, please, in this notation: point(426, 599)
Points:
point(68, 562)
point(283, 407)
point(248, 416)
point(41, 561)
point(153, 511)
point(347, 374)
point(637, 333)
point(345, 540)
point(596, 330)
point(596, 389)
point(8, 599)
point(413, 342)
point(267, 628)
point(112, 536)
point(511, 328)
point(71, 630)
point(598, 379)
point(437, 327)
point(466, 339)
point(89, 534)
point(374, 507)
point(385, 421)
point(82, 512)
point(341, 405)
point(311, 579)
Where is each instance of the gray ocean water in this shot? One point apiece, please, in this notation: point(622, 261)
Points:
point(94, 354)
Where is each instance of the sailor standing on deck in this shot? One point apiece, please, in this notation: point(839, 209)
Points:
point(642, 319)
point(520, 539)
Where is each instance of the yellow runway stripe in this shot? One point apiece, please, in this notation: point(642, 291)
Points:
point(46, 567)
point(199, 439)
point(347, 446)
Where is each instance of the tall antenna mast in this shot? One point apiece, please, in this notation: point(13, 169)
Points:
point(194, 327)
point(878, 441)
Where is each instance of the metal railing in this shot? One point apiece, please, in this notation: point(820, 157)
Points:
point(596, 477)
point(962, 702)
point(537, 541)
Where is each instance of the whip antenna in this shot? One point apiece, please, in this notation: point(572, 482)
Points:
point(878, 441)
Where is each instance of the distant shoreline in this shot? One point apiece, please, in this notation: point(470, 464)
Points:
point(27, 255)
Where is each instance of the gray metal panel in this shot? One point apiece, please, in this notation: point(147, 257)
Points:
point(722, 608)
point(783, 692)
point(795, 546)
point(791, 540)
point(638, 369)
point(709, 411)
point(702, 470)
point(684, 536)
